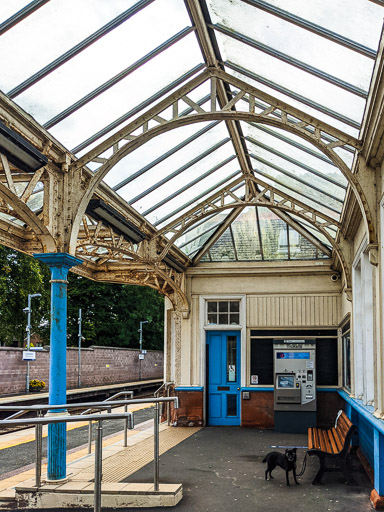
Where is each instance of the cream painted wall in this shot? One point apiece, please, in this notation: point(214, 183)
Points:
point(299, 295)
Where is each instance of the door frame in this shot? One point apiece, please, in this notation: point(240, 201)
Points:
point(204, 328)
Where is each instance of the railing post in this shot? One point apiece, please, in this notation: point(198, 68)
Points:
point(98, 465)
point(39, 455)
point(90, 437)
point(168, 409)
point(156, 447)
point(126, 427)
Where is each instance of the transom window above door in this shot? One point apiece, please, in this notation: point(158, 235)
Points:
point(223, 312)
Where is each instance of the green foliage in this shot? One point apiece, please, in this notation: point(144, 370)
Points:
point(111, 313)
point(21, 275)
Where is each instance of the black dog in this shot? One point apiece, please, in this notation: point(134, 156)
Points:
point(285, 460)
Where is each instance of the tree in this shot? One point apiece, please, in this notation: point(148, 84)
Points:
point(21, 275)
point(111, 313)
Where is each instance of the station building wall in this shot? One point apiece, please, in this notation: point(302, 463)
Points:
point(276, 299)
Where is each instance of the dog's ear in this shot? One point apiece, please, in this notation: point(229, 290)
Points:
point(294, 450)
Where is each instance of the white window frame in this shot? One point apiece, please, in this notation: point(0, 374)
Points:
point(363, 326)
point(204, 328)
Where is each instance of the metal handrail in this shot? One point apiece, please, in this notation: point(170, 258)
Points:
point(166, 386)
point(40, 421)
point(120, 393)
point(97, 405)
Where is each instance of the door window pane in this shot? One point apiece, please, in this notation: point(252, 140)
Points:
point(231, 405)
point(231, 359)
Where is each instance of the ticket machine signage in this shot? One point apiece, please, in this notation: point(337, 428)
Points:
point(294, 384)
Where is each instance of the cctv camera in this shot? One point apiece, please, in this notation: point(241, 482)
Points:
point(335, 277)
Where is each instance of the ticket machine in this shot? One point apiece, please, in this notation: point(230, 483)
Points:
point(294, 364)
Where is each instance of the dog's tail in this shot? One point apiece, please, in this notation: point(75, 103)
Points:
point(265, 459)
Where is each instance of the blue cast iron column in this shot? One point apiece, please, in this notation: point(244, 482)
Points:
point(59, 264)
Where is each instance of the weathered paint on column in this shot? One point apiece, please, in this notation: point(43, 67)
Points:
point(59, 264)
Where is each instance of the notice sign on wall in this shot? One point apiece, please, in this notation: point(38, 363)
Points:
point(254, 379)
point(28, 355)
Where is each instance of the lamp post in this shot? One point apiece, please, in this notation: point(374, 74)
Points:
point(79, 358)
point(28, 310)
point(141, 344)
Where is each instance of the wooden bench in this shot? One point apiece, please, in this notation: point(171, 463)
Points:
point(331, 445)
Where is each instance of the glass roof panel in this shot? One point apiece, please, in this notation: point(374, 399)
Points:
point(193, 239)
point(246, 236)
point(62, 24)
point(94, 65)
point(312, 229)
point(343, 19)
point(223, 249)
point(290, 77)
point(241, 241)
point(8, 9)
point(267, 145)
point(200, 198)
point(300, 248)
point(294, 41)
point(125, 95)
point(318, 110)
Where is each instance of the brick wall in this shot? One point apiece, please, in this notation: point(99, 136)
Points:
point(99, 366)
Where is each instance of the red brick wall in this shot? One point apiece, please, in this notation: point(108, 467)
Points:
point(123, 367)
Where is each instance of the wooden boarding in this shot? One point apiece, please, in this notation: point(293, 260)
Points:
point(331, 445)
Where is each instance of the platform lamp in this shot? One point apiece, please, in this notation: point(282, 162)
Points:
point(141, 355)
point(28, 310)
point(19, 151)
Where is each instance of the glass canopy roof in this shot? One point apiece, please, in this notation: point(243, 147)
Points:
point(84, 68)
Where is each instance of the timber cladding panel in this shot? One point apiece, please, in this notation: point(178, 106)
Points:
point(293, 310)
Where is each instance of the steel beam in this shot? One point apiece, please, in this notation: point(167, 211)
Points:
point(293, 95)
point(113, 139)
point(213, 239)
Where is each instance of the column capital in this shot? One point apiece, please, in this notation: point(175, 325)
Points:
point(58, 259)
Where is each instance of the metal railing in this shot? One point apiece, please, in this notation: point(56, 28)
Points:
point(39, 421)
point(166, 386)
point(120, 393)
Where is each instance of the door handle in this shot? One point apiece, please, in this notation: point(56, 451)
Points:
point(238, 389)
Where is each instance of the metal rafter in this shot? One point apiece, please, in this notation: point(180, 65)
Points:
point(313, 27)
point(227, 198)
point(22, 14)
point(65, 57)
point(210, 53)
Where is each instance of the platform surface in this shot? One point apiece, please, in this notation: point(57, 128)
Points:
point(220, 469)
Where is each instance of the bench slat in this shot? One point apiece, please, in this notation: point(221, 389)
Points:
point(336, 439)
point(323, 446)
point(310, 438)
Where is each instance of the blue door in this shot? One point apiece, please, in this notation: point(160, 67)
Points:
point(223, 364)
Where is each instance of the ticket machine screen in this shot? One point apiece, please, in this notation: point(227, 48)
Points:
point(285, 381)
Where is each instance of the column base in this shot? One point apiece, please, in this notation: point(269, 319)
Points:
point(377, 500)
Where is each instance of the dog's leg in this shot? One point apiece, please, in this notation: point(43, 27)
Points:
point(287, 476)
point(294, 476)
point(266, 475)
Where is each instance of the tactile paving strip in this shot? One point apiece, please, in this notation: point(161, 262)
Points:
point(134, 458)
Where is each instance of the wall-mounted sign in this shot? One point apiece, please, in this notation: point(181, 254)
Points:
point(141, 356)
point(254, 379)
point(231, 373)
point(28, 355)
